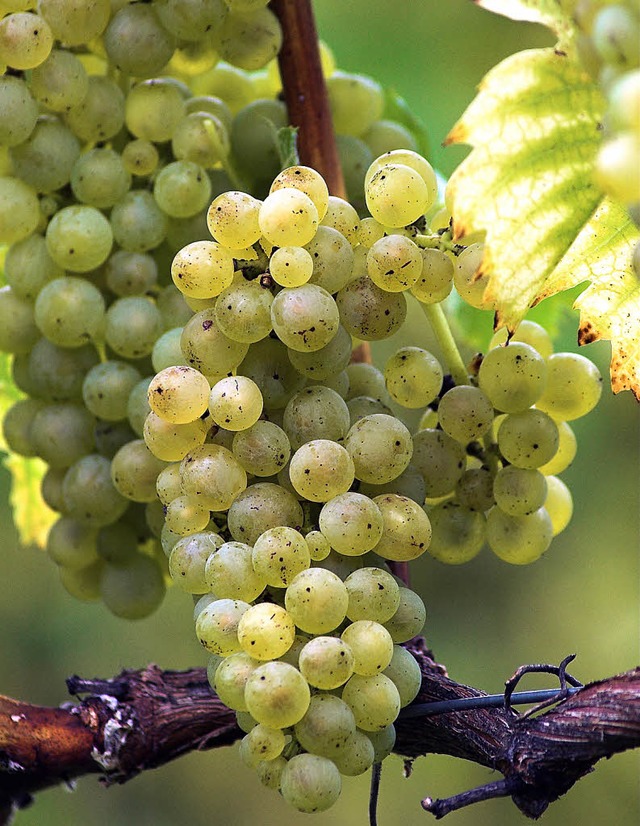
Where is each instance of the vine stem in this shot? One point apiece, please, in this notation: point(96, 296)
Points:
point(305, 91)
point(442, 332)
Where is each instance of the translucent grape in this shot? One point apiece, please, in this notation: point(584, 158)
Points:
point(137, 221)
point(133, 324)
point(217, 626)
point(519, 491)
point(182, 189)
point(28, 267)
point(231, 678)
point(356, 756)
point(310, 783)
point(342, 216)
point(519, 540)
point(513, 377)
point(413, 377)
point(132, 590)
point(18, 332)
point(134, 470)
point(435, 280)
point(235, 403)
point(470, 285)
point(396, 195)
point(326, 726)
point(465, 413)
point(153, 109)
point(404, 672)
point(319, 547)
point(321, 469)
point(374, 700)
point(380, 447)
point(277, 695)
point(232, 219)
point(573, 388)
point(266, 631)
point(25, 40)
point(179, 394)
point(98, 178)
point(315, 413)
point(458, 533)
point(171, 442)
point(407, 530)
point(352, 523)
point(188, 559)
point(279, 554)
point(528, 332)
point(260, 507)
point(323, 364)
point(136, 42)
point(212, 474)
point(19, 210)
point(167, 351)
point(288, 217)
point(56, 373)
point(564, 456)
point(262, 743)
point(243, 311)
point(529, 439)
point(383, 742)
point(369, 313)
point(75, 22)
point(307, 180)
point(371, 645)
point(373, 595)
point(20, 111)
point(140, 157)
point(262, 449)
point(290, 266)
point(304, 318)
point(317, 600)
point(558, 504)
point(106, 389)
point(185, 515)
point(100, 114)
point(440, 459)
point(411, 159)
point(332, 257)
point(394, 263)
point(208, 349)
point(326, 662)
point(249, 41)
point(89, 494)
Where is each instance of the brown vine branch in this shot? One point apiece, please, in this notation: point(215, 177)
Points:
point(305, 91)
point(143, 719)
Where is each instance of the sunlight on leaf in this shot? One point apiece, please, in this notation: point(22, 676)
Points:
point(31, 516)
point(550, 13)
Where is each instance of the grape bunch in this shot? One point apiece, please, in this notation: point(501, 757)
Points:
point(609, 47)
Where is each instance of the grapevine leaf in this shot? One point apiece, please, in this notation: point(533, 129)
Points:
point(31, 516)
point(610, 306)
point(396, 108)
point(535, 130)
point(550, 13)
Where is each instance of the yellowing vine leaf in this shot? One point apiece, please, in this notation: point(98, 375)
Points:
point(550, 13)
point(535, 129)
point(31, 515)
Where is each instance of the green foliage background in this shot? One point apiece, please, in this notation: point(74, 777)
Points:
point(485, 618)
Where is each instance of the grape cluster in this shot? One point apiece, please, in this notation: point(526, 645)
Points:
point(120, 122)
point(609, 46)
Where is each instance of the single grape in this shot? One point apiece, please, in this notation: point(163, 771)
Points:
point(513, 377)
point(279, 554)
point(374, 700)
point(310, 783)
point(277, 695)
point(317, 600)
point(352, 523)
point(519, 540)
point(413, 377)
point(458, 533)
point(558, 504)
point(573, 388)
point(326, 662)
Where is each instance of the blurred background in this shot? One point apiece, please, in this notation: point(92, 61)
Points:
point(485, 619)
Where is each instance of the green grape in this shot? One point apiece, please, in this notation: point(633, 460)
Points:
point(513, 377)
point(229, 573)
point(366, 380)
point(59, 83)
point(75, 22)
point(98, 178)
point(18, 330)
point(168, 485)
point(342, 565)
point(117, 543)
point(396, 195)
point(362, 406)
point(262, 449)
point(369, 232)
point(558, 504)
point(232, 220)
point(327, 725)
point(374, 700)
point(17, 424)
point(519, 540)
point(373, 595)
point(277, 695)
point(310, 783)
point(190, 19)
point(394, 263)
point(307, 180)
point(134, 470)
point(623, 96)
point(28, 267)
point(342, 216)
point(231, 677)
point(355, 158)
point(109, 437)
point(260, 507)
point(529, 439)
point(89, 494)
point(62, 433)
point(153, 109)
point(200, 138)
point(72, 544)
point(179, 394)
point(567, 448)
point(404, 672)
point(263, 743)
point(465, 413)
point(270, 772)
point(138, 406)
point(519, 491)
point(173, 308)
point(202, 269)
point(235, 403)
point(323, 364)
point(315, 413)
point(243, 311)
point(413, 377)
point(458, 533)
point(46, 158)
point(317, 600)
point(528, 332)
point(188, 559)
point(132, 326)
point(252, 138)
point(333, 259)
point(171, 442)
point(475, 489)
point(217, 626)
point(167, 351)
point(84, 583)
point(136, 42)
point(387, 135)
point(249, 41)
point(279, 554)
point(79, 238)
point(25, 40)
point(356, 756)
point(208, 349)
point(326, 662)
point(266, 631)
point(140, 157)
point(56, 373)
point(369, 313)
point(290, 266)
point(573, 388)
point(411, 159)
point(304, 318)
point(352, 523)
point(408, 620)
point(382, 741)
point(440, 459)
point(133, 590)
point(19, 210)
point(371, 645)
point(212, 474)
point(138, 223)
point(100, 114)
point(434, 282)
point(319, 547)
point(407, 530)
point(182, 189)
point(356, 102)
point(288, 217)
point(70, 312)
point(410, 483)
point(321, 469)
point(615, 35)
point(19, 111)
point(168, 539)
point(380, 446)
point(106, 389)
point(469, 279)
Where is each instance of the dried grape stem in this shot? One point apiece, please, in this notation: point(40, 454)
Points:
point(305, 91)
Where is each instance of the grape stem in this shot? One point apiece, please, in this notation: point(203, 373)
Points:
point(442, 332)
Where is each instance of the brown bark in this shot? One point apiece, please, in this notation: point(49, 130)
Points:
point(143, 719)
